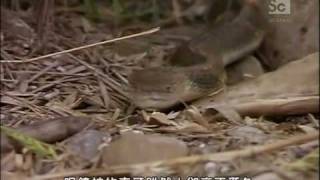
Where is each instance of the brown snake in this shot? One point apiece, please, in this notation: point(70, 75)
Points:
point(197, 68)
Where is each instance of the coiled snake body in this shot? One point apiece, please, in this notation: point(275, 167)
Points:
point(197, 68)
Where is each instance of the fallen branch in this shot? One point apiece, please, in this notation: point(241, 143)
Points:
point(287, 106)
point(272, 107)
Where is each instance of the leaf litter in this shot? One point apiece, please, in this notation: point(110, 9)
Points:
point(51, 99)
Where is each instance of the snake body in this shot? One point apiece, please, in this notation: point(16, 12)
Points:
point(197, 68)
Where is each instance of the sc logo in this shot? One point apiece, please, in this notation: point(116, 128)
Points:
point(279, 7)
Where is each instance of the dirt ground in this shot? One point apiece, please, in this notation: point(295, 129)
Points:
point(68, 114)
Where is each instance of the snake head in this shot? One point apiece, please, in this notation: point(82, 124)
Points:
point(161, 88)
point(156, 88)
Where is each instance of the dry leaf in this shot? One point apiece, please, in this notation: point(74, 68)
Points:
point(191, 127)
point(194, 114)
point(158, 118)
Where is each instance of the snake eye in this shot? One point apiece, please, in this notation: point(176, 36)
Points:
point(168, 88)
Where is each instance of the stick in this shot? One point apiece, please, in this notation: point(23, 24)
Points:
point(285, 106)
point(270, 107)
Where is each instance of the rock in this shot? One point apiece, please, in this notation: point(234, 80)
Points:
point(86, 144)
point(291, 36)
point(248, 134)
point(132, 148)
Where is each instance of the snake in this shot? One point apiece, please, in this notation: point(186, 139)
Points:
point(197, 68)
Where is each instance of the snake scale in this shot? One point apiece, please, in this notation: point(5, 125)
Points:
point(197, 68)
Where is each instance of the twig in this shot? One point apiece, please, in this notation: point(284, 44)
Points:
point(82, 47)
point(104, 93)
point(25, 103)
point(223, 156)
point(109, 81)
point(50, 84)
point(313, 120)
